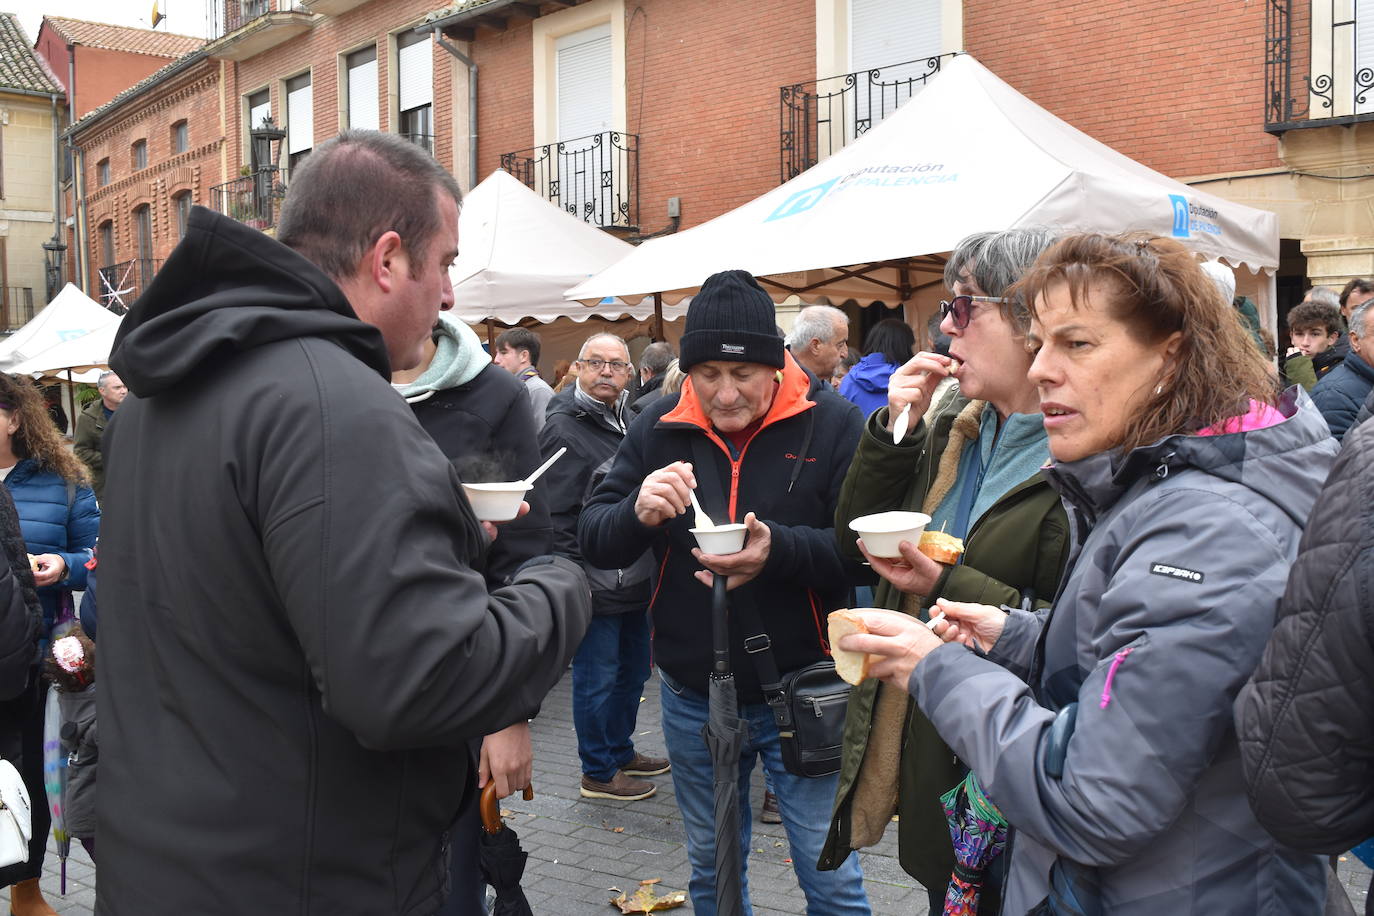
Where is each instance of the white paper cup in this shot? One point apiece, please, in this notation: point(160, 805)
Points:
point(496, 502)
point(721, 539)
point(883, 532)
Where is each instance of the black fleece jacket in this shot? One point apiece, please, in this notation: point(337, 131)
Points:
point(789, 474)
point(294, 644)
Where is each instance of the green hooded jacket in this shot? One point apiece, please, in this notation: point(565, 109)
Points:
point(1017, 548)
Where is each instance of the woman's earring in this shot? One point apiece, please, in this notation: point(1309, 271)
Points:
point(1159, 389)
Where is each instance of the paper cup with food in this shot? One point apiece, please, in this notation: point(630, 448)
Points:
point(883, 532)
point(496, 502)
point(720, 539)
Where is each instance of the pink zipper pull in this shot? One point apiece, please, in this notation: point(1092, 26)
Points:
point(1111, 673)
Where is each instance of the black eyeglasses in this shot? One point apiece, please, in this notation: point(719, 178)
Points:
point(961, 307)
point(596, 365)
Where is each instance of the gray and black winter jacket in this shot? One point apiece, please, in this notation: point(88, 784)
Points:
point(1181, 551)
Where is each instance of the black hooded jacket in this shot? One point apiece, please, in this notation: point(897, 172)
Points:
point(294, 646)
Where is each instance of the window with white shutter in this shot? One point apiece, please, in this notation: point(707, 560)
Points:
point(300, 118)
point(583, 62)
point(882, 35)
point(415, 87)
point(1364, 54)
point(363, 103)
point(259, 108)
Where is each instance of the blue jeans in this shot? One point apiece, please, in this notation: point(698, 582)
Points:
point(609, 672)
point(805, 805)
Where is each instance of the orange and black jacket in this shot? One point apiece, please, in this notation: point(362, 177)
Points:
point(788, 473)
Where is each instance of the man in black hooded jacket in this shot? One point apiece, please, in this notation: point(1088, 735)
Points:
point(295, 644)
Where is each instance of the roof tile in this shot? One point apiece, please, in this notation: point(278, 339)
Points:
point(123, 37)
point(20, 67)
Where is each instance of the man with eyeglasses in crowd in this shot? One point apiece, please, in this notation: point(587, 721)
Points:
point(589, 418)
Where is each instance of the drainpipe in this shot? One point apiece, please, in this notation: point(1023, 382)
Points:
point(57, 234)
point(472, 103)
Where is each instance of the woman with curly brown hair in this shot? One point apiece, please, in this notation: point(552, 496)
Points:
point(59, 520)
point(1102, 727)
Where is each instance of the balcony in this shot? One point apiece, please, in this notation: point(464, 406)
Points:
point(1316, 72)
point(122, 283)
point(594, 178)
point(821, 116)
point(331, 7)
point(252, 199)
point(17, 306)
point(244, 28)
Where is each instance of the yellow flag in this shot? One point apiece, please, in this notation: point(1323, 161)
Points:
point(157, 14)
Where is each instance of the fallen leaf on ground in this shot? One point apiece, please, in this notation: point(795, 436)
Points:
point(647, 881)
point(646, 901)
point(617, 830)
point(506, 812)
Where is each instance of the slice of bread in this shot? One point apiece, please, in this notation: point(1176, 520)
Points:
point(850, 666)
point(941, 547)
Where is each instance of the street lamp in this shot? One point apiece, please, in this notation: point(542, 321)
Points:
point(53, 249)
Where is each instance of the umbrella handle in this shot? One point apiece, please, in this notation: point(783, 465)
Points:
point(720, 626)
point(489, 805)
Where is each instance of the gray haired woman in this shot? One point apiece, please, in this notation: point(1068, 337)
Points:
point(975, 468)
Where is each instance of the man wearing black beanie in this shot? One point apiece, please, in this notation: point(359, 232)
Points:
point(763, 444)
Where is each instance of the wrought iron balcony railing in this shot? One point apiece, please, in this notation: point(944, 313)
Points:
point(821, 116)
point(17, 307)
point(231, 15)
point(594, 178)
point(252, 199)
point(122, 283)
point(1317, 70)
point(423, 140)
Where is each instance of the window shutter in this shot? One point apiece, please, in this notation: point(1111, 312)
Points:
point(415, 84)
point(300, 115)
point(363, 108)
point(886, 32)
point(1364, 50)
point(584, 82)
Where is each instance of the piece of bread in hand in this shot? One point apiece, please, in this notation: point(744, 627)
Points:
point(941, 547)
point(850, 666)
point(33, 563)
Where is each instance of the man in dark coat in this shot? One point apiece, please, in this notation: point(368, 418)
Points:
point(767, 446)
point(1339, 393)
point(90, 427)
point(589, 418)
point(653, 368)
point(296, 644)
point(1304, 717)
point(480, 417)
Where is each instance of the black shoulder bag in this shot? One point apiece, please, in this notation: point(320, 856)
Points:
point(808, 704)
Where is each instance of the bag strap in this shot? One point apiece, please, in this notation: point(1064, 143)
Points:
point(757, 644)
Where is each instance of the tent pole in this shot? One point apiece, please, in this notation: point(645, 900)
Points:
point(491, 335)
point(71, 402)
point(658, 317)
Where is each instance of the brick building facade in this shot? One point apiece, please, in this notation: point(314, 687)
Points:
point(630, 112)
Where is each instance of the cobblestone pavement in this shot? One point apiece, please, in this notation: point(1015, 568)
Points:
point(577, 855)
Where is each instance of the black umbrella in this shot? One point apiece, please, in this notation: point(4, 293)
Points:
point(502, 859)
point(724, 734)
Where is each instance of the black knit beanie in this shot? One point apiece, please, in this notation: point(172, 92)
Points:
point(732, 318)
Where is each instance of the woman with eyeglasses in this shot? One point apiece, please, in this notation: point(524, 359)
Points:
point(975, 469)
point(1102, 729)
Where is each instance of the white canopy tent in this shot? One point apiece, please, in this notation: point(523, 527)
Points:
point(87, 353)
point(518, 253)
point(966, 154)
point(69, 316)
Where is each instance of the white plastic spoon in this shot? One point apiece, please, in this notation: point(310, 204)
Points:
point(899, 428)
point(703, 520)
point(545, 466)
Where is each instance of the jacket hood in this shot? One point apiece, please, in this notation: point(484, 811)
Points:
point(871, 374)
point(227, 288)
point(1273, 462)
point(458, 358)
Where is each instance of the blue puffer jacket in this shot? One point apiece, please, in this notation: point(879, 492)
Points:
point(53, 524)
point(866, 382)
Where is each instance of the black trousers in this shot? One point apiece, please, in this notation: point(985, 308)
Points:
point(21, 743)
